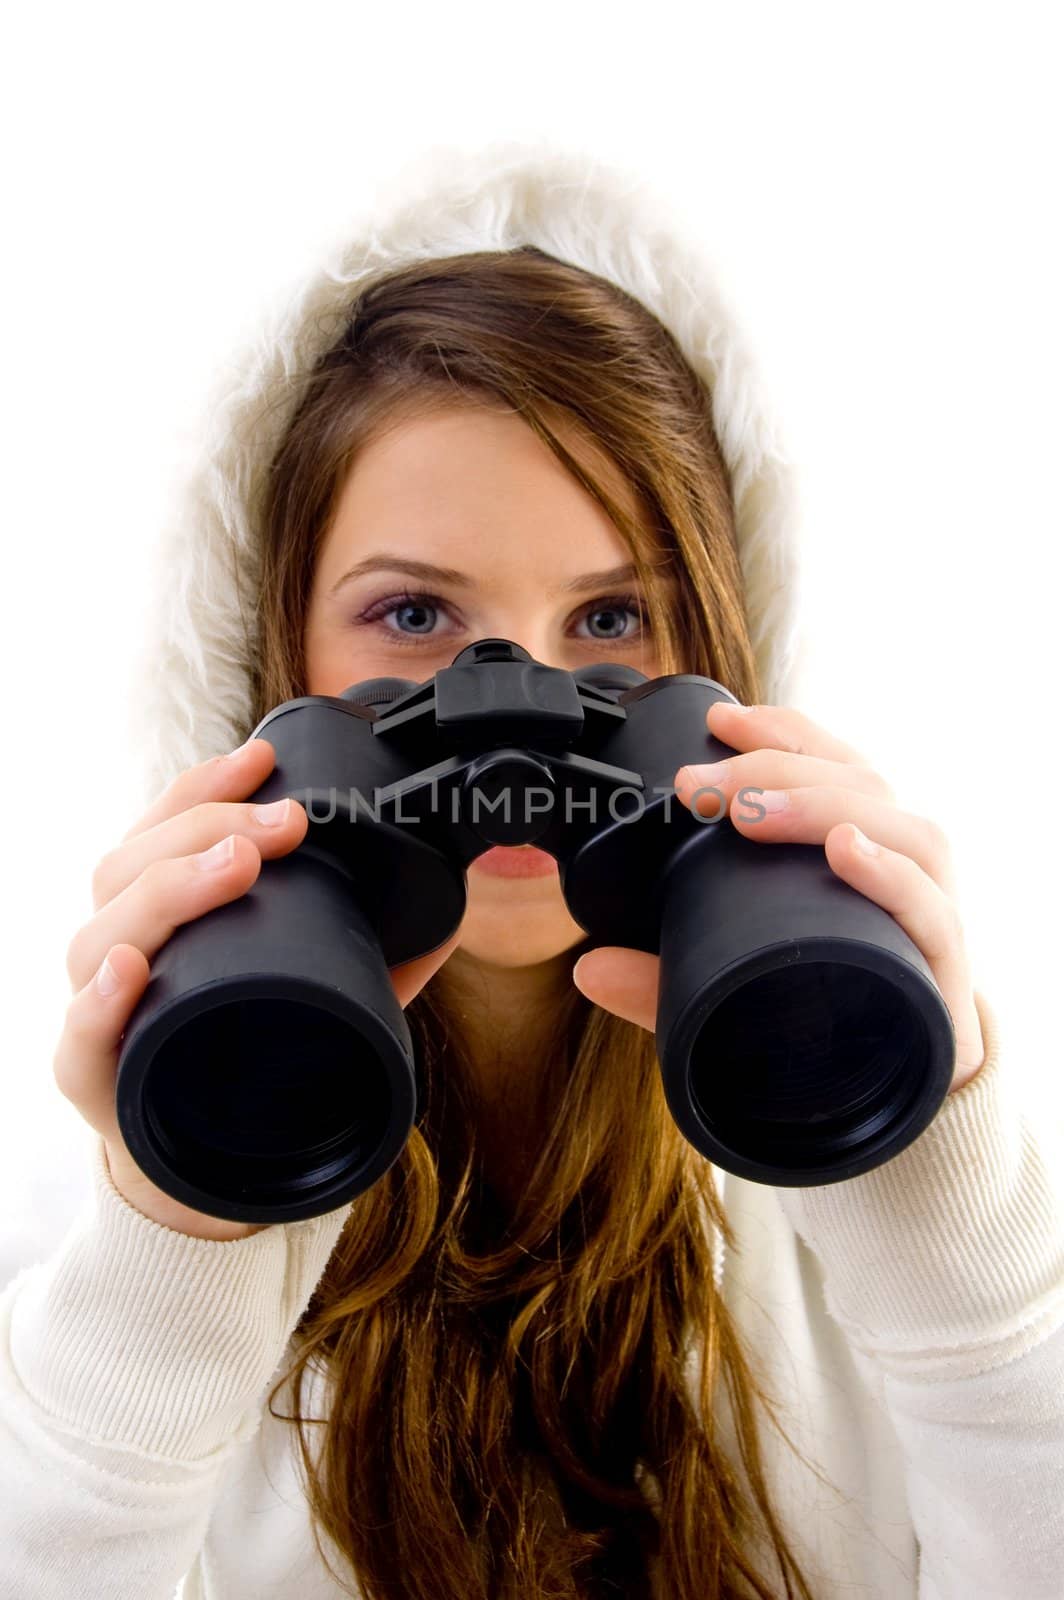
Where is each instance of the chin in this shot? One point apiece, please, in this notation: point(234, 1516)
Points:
point(516, 929)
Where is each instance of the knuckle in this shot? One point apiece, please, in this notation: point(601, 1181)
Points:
point(875, 783)
point(71, 1045)
point(61, 1065)
point(954, 919)
point(103, 878)
point(157, 879)
point(185, 789)
point(936, 846)
point(190, 788)
point(77, 955)
point(803, 732)
point(153, 874)
point(75, 1027)
point(950, 935)
point(200, 815)
point(201, 770)
point(793, 770)
point(74, 1058)
point(935, 835)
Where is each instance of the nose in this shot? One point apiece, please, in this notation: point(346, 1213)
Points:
point(539, 643)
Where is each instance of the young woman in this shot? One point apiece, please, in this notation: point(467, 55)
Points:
point(552, 1351)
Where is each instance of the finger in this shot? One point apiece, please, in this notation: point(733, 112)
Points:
point(274, 832)
point(86, 1057)
point(778, 769)
point(228, 777)
point(622, 981)
point(930, 918)
point(779, 728)
point(807, 816)
point(167, 893)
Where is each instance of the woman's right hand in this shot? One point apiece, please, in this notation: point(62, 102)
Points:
point(197, 847)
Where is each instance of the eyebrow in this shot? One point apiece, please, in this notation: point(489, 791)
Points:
point(428, 573)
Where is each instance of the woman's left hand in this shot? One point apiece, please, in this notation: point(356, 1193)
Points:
point(832, 797)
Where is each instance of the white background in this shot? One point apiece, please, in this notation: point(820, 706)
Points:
point(882, 188)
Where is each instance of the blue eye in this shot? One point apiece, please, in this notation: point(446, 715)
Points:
point(422, 618)
point(416, 615)
point(615, 609)
point(420, 609)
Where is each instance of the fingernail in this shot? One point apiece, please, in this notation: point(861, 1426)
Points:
point(272, 814)
point(219, 855)
point(743, 709)
point(864, 843)
point(239, 751)
point(771, 799)
point(713, 772)
point(106, 978)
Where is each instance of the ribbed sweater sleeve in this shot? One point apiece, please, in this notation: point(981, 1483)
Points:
point(945, 1270)
point(132, 1362)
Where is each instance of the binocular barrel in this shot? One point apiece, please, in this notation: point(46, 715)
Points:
point(801, 1037)
point(268, 1073)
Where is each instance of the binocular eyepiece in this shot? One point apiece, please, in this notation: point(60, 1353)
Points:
point(268, 1073)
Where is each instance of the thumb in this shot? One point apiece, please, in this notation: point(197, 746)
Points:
point(411, 976)
point(622, 981)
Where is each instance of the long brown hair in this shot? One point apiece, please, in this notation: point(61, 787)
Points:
point(510, 1414)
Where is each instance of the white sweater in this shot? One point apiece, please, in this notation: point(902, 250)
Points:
point(910, 1322)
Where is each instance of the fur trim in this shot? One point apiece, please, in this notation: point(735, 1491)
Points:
point(191, 693)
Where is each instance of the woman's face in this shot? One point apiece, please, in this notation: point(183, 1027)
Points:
point(529, 555)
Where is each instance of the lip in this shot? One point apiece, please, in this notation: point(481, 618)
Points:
point(516, 861)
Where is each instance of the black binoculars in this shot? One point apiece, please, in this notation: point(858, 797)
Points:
point(268, 1073)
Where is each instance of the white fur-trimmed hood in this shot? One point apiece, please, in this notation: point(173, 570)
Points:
point(190, 696)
